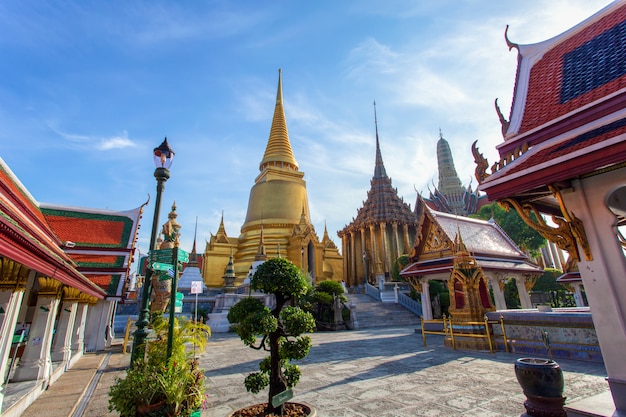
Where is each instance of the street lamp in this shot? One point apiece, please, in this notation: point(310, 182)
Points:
point(163, 157)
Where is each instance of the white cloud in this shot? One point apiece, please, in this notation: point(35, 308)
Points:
point(116, 142)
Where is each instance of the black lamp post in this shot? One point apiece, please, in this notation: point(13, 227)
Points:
point(163, 157)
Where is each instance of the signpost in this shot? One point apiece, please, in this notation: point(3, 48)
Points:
point(282, 397)
point(160, 266)
point(178, 304)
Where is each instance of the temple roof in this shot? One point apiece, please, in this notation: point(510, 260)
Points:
point(485, 241)
point(568, 116)
point(480, 237)
point(29, 240)
point(383, 203)
point(101, 242)
point(278, 150)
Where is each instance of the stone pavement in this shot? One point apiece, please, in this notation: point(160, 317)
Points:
point(377, 372)
point(388, 373)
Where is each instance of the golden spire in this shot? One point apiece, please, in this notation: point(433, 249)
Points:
point(221, 236)
point(260, 253)
point(278, 151)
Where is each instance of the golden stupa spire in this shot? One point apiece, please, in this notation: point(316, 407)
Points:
point(221, 236)
point(278, 151)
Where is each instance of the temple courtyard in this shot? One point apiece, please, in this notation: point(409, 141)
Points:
point(374, 372)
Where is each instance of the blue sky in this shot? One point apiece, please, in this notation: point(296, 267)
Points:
point(89, 88)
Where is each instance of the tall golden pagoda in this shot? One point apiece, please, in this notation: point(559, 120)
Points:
point(278, 219)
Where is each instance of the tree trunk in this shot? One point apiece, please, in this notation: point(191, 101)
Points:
point(277, 380)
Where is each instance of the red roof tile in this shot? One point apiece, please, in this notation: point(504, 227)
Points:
point(88, 231)
point(543, 101)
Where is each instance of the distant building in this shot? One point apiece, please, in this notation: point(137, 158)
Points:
point(450, 196)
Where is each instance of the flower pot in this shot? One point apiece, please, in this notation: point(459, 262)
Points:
point(149, 409)
point(248, 411)
point(542, 383)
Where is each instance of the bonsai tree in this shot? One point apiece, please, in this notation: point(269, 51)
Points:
point(280, 330)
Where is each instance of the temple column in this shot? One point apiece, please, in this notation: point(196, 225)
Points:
point(427, 308)
point(555, 256)
point(78, 333)
point(497, 285)
point(396, 240)
point(604, 270)
point(375, 256)
point(578, 295)
point(62, 344)
point(10, 302)
point(364, 256)
point(407, 244)
point(35, 363)
point(97, 330)
point(524, 298)
point(345, 262)
point(384, 249)
point(354, 256)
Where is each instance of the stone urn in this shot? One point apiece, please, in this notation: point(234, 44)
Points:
point(542, 383)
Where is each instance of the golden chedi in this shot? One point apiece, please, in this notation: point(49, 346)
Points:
point(278, 222)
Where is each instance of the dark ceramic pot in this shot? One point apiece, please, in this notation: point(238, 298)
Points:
point(539, 377)
point(542, 382)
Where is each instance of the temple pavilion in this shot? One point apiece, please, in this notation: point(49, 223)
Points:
point(564, 156)
point(446, 240)
point(278, 221)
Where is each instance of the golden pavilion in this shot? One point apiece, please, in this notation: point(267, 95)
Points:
point(278, 222)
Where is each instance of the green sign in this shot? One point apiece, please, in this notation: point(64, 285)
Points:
point(183, 256)
point(178, 303)
point(162, 255)
point(167, 255)
point(160, 266)
point(180, 295)
point(282, 397)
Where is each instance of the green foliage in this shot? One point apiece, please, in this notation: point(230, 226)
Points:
point(330, 287)
point(174, 385)
point(547, 281)
point(511, 296)
point(280, 329)
point(250, 318)
point(256, 381)
point(280, 277)
point(321, 297)
point(321, 301)
point(440, 290)
point(523, 235)
point(400, 263)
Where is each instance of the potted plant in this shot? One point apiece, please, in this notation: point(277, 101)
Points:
point(542, 382)
point(280, 331)
point(158, 386)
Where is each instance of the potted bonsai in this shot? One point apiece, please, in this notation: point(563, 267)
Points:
point(158, 386)
point(280, 331)
point(542, 382)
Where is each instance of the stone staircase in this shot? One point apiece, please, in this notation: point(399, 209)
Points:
point(371, 313)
